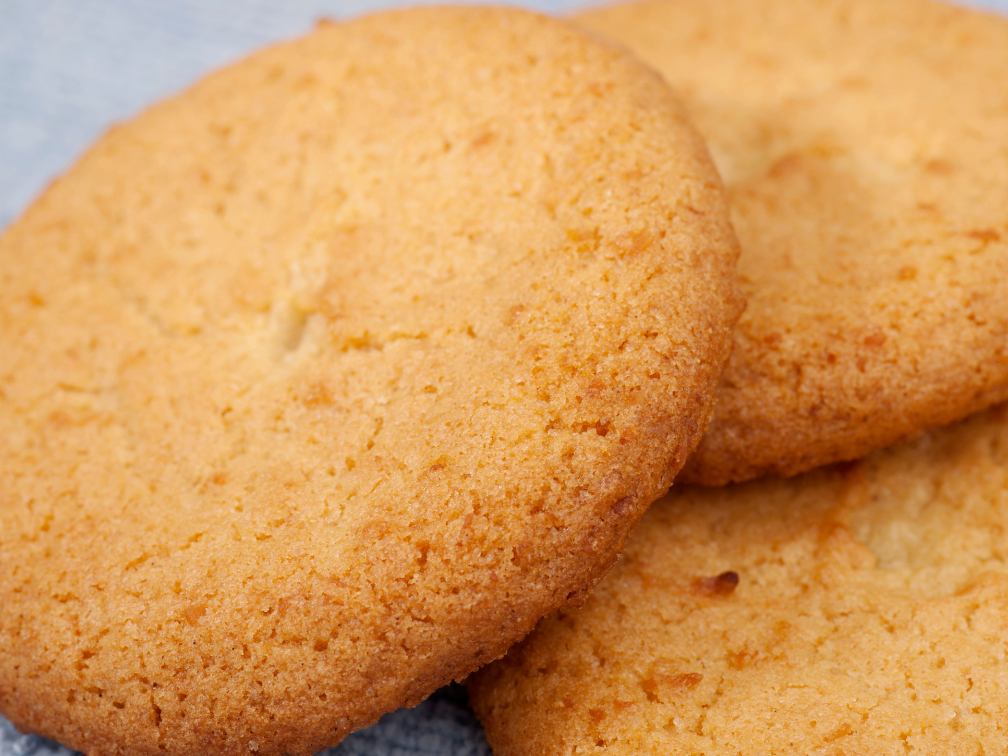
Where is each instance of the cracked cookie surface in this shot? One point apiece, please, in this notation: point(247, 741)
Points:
point(861, 608)
point(865, 150)
point(323, 381)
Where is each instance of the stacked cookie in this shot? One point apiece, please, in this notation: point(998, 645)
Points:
point(327, 379)
point(324, 381)
point(861, 607)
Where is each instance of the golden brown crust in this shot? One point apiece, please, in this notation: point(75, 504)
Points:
point(865, 149)
point(325, 380)
point(858, 609)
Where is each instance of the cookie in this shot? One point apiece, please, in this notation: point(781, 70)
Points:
point(865, 147)
point(860, 608)
point(325, 380)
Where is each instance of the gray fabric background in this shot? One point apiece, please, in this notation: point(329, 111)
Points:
point(68, 69)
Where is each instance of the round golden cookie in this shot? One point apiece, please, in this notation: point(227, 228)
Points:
point(861, 609)
point(865, 148)
point(325, 380)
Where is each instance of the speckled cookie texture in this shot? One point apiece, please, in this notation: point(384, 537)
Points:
point(865, 148)
point(325, 380)
point(860, 609)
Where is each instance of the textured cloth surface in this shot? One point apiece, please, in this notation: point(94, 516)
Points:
point(70, 68)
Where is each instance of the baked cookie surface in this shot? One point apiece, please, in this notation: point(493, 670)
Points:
point(323, 381)
point(865, 149)
point(860, 608)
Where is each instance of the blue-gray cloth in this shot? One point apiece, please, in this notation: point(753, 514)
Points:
point(69, 68)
